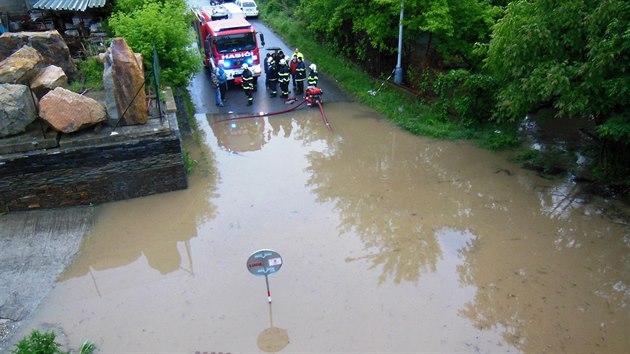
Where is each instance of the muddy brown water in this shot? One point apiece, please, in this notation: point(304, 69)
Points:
point(390, 243)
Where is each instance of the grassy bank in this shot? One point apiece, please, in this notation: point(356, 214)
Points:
point(406, 110)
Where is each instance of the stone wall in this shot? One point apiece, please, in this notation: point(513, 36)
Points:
point(94, 167)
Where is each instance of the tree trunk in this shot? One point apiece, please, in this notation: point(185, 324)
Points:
point(425, 58)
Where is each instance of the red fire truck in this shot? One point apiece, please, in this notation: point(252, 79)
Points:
point(232, 40)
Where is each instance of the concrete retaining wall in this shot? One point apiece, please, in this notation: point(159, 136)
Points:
point(92, 168)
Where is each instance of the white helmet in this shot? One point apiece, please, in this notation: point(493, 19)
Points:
point(313, 67)
point(283, 62)
point(245, 66)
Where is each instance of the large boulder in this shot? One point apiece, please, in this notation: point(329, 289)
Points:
point(21, 66)
point(123, 78)
point(48, 79)
point(69, 112)
point(17, 109)
point(50, 44)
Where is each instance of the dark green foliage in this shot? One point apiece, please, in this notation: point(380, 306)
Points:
point(422, 81)
point(499, 139)
point(92, 71)
point(467, 96)
point(273, 7)
point(573, 55)
point(548, 163)
point(368, 30)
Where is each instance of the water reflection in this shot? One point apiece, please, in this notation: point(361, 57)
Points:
point(239, 135)
point(539, 289)
point(376, 192)
point(538, 248)
point(159, 231)
point(272, 339)
point(461, 246)
point(560, 201)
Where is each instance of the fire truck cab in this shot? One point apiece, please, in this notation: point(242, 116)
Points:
point(232, 40)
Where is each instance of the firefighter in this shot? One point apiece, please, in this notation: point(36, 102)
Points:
point(248, 84)
point(312, 76)
point(273, 76)
point(292, 67)
point(300, 76)
point(283, 78)
point(266, 66)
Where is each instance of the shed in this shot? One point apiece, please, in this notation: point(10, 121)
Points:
point(68, 5)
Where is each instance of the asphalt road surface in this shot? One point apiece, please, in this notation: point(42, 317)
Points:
point(237, 100)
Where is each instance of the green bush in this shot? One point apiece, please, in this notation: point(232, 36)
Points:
point(44, 343)
point(466, 96)
point(38, 342)
point(167, 27)
point(499, 139)
point(91, 71)
point(549, 163)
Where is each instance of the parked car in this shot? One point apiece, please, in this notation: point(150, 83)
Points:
point(249, 7)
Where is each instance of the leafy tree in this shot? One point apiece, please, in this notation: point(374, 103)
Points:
point(125, 6)
point(358, 26)
point(573, 55)
point(167, 26)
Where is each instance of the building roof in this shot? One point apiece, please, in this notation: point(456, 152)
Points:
point(68, 5)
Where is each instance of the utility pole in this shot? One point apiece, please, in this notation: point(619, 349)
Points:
point(398, 72)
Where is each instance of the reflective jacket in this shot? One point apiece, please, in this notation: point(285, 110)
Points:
point(300, 71)
point(248, 80)
point(273, 69)
point(283, 74)
point(312, 78)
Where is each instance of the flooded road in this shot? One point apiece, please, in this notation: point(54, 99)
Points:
point(390, 243)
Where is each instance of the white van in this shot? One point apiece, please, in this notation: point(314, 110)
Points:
point(249, 7)
point(234, 10)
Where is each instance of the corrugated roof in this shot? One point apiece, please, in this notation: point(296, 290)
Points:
point(69, 5)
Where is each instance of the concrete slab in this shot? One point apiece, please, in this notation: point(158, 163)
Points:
point(171, 106)
point(35, 248)
point(89, 137)
point(32, 139)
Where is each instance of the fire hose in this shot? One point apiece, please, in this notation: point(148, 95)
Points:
point(321, 109)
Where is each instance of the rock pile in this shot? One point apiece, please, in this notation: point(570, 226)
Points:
point(49, 44)
point(35, 68)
